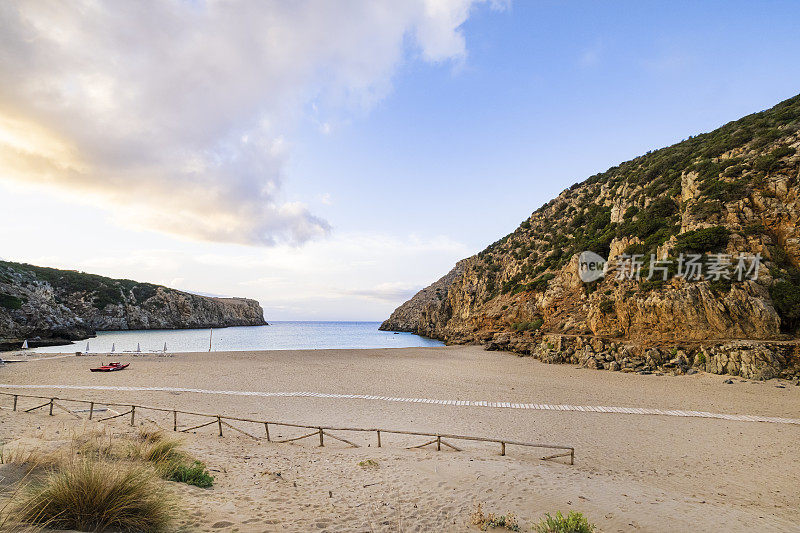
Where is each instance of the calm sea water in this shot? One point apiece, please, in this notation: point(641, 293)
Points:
point(276, 336)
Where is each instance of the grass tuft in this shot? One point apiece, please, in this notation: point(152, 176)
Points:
point(194, 474)
point(572, 523)
point(170, 461)
point(91, 495)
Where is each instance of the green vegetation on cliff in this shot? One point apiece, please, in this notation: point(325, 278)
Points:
point(48, 305)
point(725, 165)
point(698, 204)
point(103, 291)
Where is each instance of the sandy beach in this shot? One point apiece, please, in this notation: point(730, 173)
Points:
point(632, 471)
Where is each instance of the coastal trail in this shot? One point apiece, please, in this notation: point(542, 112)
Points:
point(456, 403)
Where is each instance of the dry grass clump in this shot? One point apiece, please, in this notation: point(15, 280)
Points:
point(151, 435)
point(100, 481)
point(485, 521)
point(101, 445)
point(169, 459)
point(94, 495)
point(155, 447)
point(31, 459)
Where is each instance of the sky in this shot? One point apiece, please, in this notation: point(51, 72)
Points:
point(329, 159)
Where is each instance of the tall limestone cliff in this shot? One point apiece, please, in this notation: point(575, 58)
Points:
point(717, 195)
point(50, 306)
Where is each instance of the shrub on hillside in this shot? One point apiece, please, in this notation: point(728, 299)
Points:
point(713, 239)
point(786, 298)
point(10, 302)
point(533, 325)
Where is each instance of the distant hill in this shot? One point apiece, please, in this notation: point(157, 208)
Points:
point(51, 306)
point(733, 190)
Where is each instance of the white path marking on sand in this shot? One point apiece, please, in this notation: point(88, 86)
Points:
point(464, 403)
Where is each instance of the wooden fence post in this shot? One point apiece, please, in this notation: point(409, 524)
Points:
point(319, 430)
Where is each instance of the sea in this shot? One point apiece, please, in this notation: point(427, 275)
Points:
point(276, 336)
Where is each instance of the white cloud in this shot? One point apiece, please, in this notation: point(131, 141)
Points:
point(341, 254)
point(176, 112)
point(392, 292)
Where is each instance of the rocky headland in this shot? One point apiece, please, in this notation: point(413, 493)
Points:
point(48, 306)
point(713, 198)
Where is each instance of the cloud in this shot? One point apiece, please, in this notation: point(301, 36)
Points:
point(346, 254)
point(389, 292)
point(176, 114)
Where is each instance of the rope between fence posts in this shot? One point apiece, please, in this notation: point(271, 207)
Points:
point(317, 429)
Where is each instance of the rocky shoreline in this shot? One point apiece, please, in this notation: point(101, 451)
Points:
point(752, 359)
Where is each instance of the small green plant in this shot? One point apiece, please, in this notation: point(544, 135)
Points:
point(485, 521)
point(369, 463)
point(573, 523)
point(194, 474)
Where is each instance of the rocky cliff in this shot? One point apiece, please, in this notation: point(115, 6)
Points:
point(50, 306)
point(705, 201)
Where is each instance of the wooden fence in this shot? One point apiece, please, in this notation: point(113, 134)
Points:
point(316, 431)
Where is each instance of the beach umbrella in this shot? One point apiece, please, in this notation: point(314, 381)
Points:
point(25, 344)
point(138, 348)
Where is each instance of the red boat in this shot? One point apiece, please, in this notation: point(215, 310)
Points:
point(110, 367)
